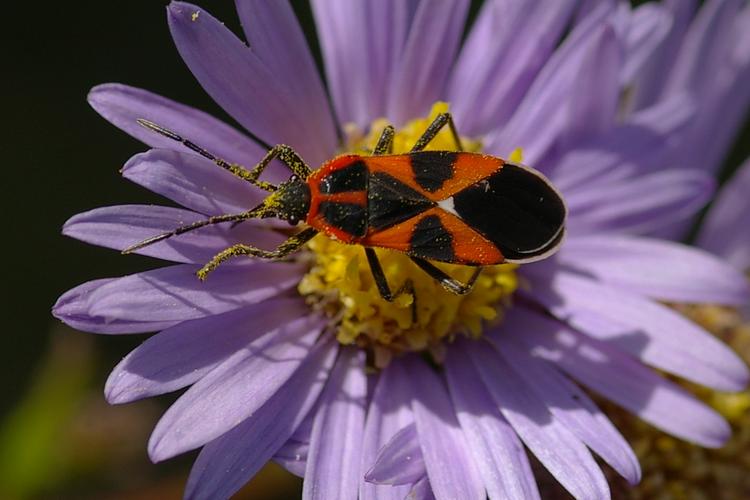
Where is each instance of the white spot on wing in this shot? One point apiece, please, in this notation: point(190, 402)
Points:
point(447, 205)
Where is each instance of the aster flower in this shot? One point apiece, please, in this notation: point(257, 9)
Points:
point(302, 362)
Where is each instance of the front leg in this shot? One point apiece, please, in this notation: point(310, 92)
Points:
point(289, 246)
point(287, 156)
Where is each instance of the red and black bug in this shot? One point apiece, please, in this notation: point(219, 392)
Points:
point(447, 206)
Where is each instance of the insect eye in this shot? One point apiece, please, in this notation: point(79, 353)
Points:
point(293, 221)
point(293, 178)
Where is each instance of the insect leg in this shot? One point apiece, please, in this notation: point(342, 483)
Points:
point(435, 127)
point(452, 285)
point(289, 246)
point(287, 156)
point(385, 143)
point(382, 283)
point(257, 212)
point(234, 168)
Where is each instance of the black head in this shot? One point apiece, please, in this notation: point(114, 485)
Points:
point(291, 201)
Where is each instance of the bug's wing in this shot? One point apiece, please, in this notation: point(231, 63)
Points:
point(518, 210)
point(437, 175)
point(437, 235)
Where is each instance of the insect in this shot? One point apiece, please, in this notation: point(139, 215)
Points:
point(447, 206)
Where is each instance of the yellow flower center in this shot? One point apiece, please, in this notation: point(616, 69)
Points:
point(340, 284)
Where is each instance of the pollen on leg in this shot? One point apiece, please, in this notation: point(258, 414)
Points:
point(340, 283)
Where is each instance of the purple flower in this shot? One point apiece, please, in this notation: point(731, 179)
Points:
point(268, 378)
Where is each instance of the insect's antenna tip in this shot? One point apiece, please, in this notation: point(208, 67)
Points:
point(147, 242)
point(131, 249)
point(158, 129)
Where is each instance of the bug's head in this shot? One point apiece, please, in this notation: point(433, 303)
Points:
point(290, 202)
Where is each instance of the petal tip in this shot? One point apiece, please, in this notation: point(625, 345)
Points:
point(182, 11)
point(719, 437)
point(156, 451)
point(634, 474)
point(115, 392)
point(68, 227)
point(97, 96)
point(63, 308)
point(135, 161)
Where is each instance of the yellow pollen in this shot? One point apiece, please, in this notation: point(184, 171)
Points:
point(340, 284)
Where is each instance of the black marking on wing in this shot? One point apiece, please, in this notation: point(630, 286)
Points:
point(515, 209)
point(432, 168)
point(349, 217)
point(349, 178)
point(390, 201)
point(430, 240)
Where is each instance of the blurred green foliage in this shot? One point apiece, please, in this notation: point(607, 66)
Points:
point(31, 459)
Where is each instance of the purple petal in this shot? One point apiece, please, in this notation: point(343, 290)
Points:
point(651, 79)
point(658, 269)
point(362, 44)
point(650, 331)
point(333, 464)
point(551, 442)
point(642, 204)
point(120, 226)
point(421, 490)
point(619, 378)
point(722, 232)
point(293, 457)
point(593, 99)
point(494, 445)
point(587, 9)
point(184, 354)
point(715, 65)
point(629, 149)
point(647, 27)
point(426, 60)
point(722, 113)
point(245, 86)
point(450, 467)
point(704, 47)
point(276, 38)
point(234, 390)
point(400, 461)
point(544, 113)
point(225, 464)
point(158, 299)
point(574, 409)
point(508, 45)
point(192, 181)
point(389, 411)
point(122, 105)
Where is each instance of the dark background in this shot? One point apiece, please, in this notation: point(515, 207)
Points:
point(60, 158)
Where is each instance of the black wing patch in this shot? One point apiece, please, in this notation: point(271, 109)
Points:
point(430, 240)
point(432, 168)
point(350, 178)
point(516, 210)
point(390, 201)
point(349, 217)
